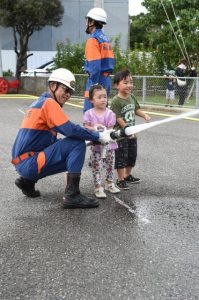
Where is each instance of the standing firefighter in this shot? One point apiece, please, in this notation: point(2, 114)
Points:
point(38, 153)
point(98, 53)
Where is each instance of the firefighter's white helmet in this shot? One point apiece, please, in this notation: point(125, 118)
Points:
point(97, 14)
point(63, 76)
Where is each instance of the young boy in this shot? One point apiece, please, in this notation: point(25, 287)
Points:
point(125, 106)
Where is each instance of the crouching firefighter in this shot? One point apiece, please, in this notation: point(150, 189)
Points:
point(37, 152)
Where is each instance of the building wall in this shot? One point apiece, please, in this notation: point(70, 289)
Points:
point(72, 29)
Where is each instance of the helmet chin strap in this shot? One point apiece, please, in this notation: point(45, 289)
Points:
point(87, 28)
point(53, 92)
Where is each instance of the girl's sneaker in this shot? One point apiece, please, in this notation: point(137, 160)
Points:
point(122, 185)
point(99, 192)
point(110, 187)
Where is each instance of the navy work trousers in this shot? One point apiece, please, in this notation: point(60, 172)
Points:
point(65, 155)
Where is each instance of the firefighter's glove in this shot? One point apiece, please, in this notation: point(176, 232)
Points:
point(105, 136)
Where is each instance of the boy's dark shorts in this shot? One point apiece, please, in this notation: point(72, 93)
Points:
point(126, 154)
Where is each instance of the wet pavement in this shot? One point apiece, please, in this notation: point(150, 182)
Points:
point(151, 252)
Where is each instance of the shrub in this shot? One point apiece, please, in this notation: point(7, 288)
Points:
point(8, 73)
point(70, 57)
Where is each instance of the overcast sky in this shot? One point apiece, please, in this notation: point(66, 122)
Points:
point(135, 7)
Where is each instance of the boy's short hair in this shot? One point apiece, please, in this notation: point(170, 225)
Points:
point(123, 74)
point(93, 88)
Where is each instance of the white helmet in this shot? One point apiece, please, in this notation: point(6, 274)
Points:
point(63, 76)
point(97, 14)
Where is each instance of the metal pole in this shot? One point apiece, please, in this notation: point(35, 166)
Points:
point(197, 92)
point(1, 67)
point(143, 89)
point(99, 3)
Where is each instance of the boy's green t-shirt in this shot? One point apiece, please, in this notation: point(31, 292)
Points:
point(125, 109)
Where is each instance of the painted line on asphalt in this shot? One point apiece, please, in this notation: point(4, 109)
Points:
point(145, 220)
point(13, 96)
point(24, 96)
point(75, 105)
point(170, 115)
point(132, 211)
point(148, 112)
point(21, 111)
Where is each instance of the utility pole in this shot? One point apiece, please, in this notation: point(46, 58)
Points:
point(99, 3)
point(197, 92)
point(1, 67)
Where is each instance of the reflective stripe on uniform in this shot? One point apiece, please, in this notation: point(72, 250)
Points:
point(21, 157)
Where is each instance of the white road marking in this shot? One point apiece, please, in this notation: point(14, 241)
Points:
point(145, 220)
point(125, 205)
point(21, 111)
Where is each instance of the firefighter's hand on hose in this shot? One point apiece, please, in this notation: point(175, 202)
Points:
point(105, 136)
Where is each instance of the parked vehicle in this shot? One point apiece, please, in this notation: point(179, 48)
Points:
point(42, 71)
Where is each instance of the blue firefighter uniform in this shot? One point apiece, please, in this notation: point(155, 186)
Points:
point(99, 63)
point(37, 152)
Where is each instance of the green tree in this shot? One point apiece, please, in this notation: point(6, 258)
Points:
point(138, 61)
point(139, 33)
point(121, 57)
point(166, 17)
point(25, 17)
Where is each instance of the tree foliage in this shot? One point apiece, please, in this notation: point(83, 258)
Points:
point(25, 17)
point(159, 37)
point(138, 61)
point(139, 32)
point(70, 56)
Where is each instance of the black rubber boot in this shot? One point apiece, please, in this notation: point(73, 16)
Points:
point(73, 198)
point(27, 187)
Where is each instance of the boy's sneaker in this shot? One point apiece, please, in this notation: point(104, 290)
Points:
point(122, 185)
point(99, 193)
point(131, 179)
point(110, 187)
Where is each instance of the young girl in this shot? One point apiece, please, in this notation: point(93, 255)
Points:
point(101, 118)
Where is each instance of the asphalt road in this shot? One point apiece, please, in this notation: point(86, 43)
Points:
point(47, 252)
